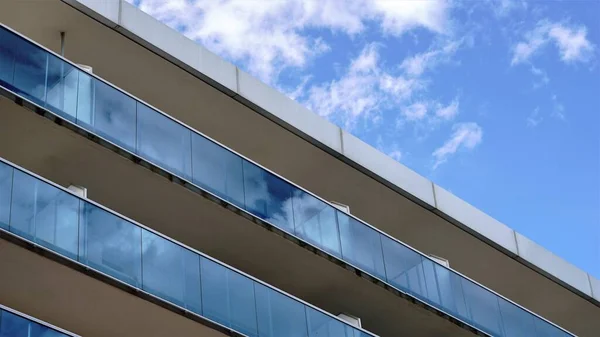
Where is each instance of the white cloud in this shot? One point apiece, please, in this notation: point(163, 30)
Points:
point(571, 42)
point(367, 61)
point(541, 75)
point(396, 155)
point(353, 95)
point(415, 112)
point(361, 91)
point(534, 119)
point(464, 136)
point(428, 114)
point(534, 40)
point(399, 86)
point(271, 35)
point(449, 111)
point(400, 16)
point(415, 65)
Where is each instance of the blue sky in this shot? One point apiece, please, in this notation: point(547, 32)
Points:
point(496, 101)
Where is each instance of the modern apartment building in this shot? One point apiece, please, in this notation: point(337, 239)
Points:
point(150, 188)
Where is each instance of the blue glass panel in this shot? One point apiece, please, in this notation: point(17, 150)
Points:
point(279, 315)
point(321, 325)
point(106, 111)
point(44, 214)
point(217, 170)
point(452, 298)
point(12, 325)
point(482, 306)
point(171, 272)
point(164, 142)
point(316, 222)
point(23, 67)
point(404, 268)
point(433, 293)
point(516, 321)
point(228, 298)
point(110, 244)
point(7, 57)
point(61, 88)
point(361, 245)
point(545, 329)
point(6, 180)
point(268, 197)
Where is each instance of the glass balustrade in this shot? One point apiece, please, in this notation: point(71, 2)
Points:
point(58, 220)
point(16, 325)
point(53, 83)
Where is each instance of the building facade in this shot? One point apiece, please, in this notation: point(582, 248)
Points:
point(150, 188)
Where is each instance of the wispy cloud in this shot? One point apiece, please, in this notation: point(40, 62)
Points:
point(534, 118)
point(541, 76)
point(558, 109)
point(449, 111)
point(415, 65)
point(503, 8)
point(464, 136)
point(364, 89)
point(415, 112)
point(571, 41)
point(427, 115)
point(353, 95)
point(271, 35)
point(396, 155)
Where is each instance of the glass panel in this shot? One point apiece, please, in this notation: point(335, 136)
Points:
point(62, 88)
point(361, 245)
point(433, 295)
point(404, 268)
point(516, 321)
point(8, 41)
point(6, 180)
point(217, 170)
point(110, 244)
point(316, 222)
point(106, 111)
point(545, 329)
point(12, 325)
point(321, 325)
point(268, 197)
point(451, 295)
point(483, 307)
point(228, 298)
point(29, 69)
point(279, 315)
point(44, 214)
point(164, 142)
point(171, 271)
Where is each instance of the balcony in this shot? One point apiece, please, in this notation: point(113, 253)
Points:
point(93, 236)
point(15, 324)
point(196, 161)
